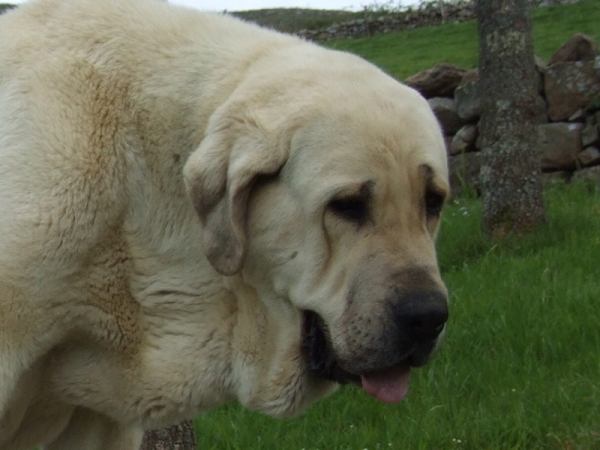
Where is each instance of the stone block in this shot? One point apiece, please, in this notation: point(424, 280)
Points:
point(464, 140)
point(589, 157)
point(569, 87)
point(445, 111)
point(558, 145)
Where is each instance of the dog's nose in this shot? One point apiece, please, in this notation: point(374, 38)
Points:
point(420, 315)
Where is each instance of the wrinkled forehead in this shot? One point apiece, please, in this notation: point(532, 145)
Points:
point(382, 143)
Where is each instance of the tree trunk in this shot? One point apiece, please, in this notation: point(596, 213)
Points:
point(178, 437)
point(511, 184)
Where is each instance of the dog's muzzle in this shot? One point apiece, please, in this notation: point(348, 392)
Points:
point(415, 321)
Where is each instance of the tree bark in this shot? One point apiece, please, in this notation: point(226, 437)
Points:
point(178, 437)
point(511, 184)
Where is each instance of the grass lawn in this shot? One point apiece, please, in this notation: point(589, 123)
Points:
point(520, 368)
point(405, 53)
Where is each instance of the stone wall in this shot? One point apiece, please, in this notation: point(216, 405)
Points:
point(428, 13)
point(569, 114)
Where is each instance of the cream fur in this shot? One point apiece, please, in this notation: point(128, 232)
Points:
point(131, 299)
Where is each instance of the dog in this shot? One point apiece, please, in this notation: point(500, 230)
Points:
point(197, 210)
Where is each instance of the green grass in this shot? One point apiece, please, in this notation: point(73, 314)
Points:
point(405, 53)
point(520, 368)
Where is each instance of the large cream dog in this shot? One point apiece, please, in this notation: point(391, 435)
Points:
point(196, 210)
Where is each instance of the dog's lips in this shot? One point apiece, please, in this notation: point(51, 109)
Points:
point(388, 385)
point(320, 357)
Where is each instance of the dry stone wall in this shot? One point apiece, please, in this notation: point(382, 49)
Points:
point(569, 119)
point(427, 13)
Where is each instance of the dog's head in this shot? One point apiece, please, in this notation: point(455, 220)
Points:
point(327, 195)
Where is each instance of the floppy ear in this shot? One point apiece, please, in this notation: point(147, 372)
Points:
point(219, 175)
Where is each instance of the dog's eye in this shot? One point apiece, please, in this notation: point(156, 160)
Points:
point(433, 203)
point(352, 209)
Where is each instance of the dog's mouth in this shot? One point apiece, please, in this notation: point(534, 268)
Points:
point(389, 385)
point(317, 349)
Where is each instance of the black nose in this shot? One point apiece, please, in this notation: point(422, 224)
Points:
point(420, 315)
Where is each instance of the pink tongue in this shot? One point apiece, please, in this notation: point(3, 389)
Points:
point(389, 385)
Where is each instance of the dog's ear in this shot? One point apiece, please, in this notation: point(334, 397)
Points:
point(219, 176)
